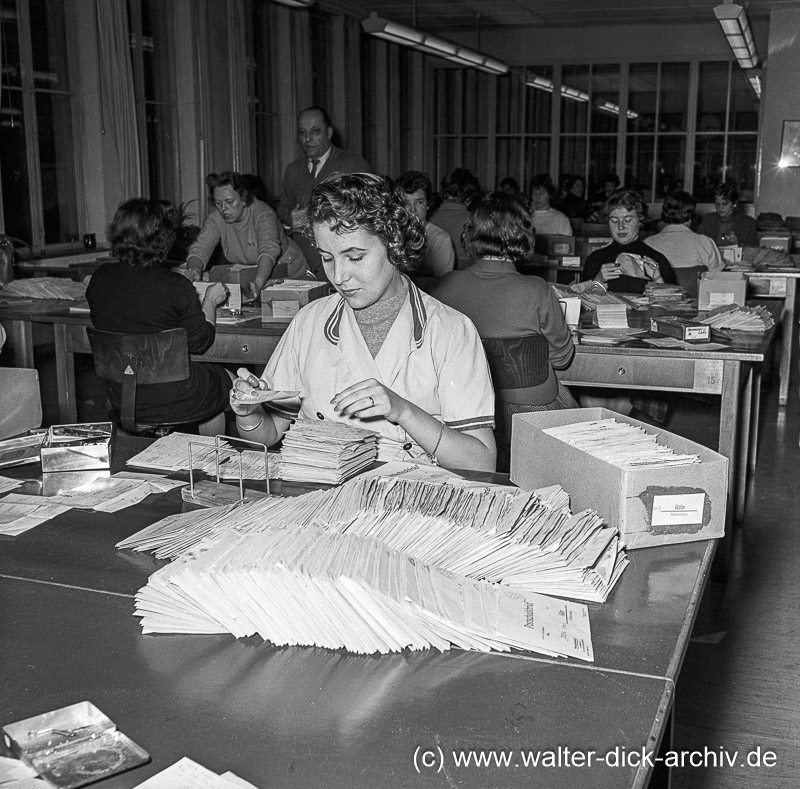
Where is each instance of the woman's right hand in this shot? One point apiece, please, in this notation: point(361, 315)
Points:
point(216, 294)
point(609, 271)
point(245, 385)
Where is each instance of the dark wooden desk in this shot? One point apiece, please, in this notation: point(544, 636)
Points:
point(249, 343)
point(308, 717)
point(302, 717)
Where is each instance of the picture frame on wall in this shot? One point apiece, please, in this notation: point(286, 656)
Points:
point(790, 144)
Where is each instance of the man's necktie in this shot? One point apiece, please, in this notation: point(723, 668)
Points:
point(314, 165)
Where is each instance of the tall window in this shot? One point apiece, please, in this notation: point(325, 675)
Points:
point(658, 108)
point(37, 141)
point(727, 131)
point(151, 27)
point(463, 115)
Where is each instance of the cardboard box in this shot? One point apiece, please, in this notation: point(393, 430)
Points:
point(571, 308)
point(681, 328)
point(648, 506)
point(731, 254)
point(283, 299)
point(775, 239)
point(719, 288)
point(554, 245)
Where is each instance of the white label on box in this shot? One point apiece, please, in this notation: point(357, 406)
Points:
point(571, 261)
point(678, 510)
point(285, 309)
point(720, 299)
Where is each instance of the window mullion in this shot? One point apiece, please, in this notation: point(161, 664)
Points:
point(31, 125)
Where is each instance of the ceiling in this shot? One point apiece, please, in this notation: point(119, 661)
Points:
point(539, 14)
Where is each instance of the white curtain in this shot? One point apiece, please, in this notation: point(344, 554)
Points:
point(117, 98)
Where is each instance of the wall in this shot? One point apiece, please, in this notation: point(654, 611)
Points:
point(779, 189)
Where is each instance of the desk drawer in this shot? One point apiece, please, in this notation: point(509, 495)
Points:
point(642, 372)
point(251, 348)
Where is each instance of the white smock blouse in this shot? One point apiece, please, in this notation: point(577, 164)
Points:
point(432, 357)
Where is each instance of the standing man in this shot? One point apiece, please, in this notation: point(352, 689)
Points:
point(319, 160)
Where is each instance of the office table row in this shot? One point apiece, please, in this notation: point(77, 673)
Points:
point(299, 717)
point(732, 373)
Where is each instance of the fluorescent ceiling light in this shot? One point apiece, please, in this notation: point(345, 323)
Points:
point(432, 45)
point(734, 24)
point(296, 3)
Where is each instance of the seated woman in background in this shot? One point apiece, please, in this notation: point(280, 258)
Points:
point(378, 354)
point(574, 205)
point(459, 190)
point(506, 306)
point(725, 226)
point(546, 220)
point(627, 264)
point(439, 256)
point(250, 233)
point(138, 294)
point(688, 252)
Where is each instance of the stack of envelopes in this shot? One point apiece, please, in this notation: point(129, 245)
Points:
point(263, 565)
point(317, 588)
point(325, 451)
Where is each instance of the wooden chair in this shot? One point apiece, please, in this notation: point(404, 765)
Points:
point(515, 363)
point(134, 359)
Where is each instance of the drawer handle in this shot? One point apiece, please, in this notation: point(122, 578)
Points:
point(621, 371)
point(245, 349)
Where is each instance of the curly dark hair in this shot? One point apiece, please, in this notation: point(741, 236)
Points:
point(678, 208)
point(499, 225)
point(242, 184)
point(347, 201)
point(630, 200)
point(460, 185)
point(727, 191)
point(543, 181)
point(142, 231)
point(413, 180)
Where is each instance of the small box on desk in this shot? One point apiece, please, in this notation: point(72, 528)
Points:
point(567, 261)
point(781, 240)
point(554, 245)
point(649, 506)
point(284, 298)
point(681, 328)
point(721, 287)
point(584, 246)
point(77, 447)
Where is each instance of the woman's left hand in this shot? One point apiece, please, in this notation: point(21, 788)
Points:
point(368, 399)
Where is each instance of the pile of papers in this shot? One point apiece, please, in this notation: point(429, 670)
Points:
point(209, 455)
point(611, 316)
point(325, 451)
point(744, 319)
point(91, 490)
point(316, 588)
point(619, 443)
point(188, 774)
point(528, 540)
point(664, 294)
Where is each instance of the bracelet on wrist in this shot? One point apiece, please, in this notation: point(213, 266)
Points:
point(432, 455)
point(250, 429)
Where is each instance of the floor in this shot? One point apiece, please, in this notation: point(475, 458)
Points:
point(740, 685)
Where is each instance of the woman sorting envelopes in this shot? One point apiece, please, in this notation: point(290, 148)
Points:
point(379, 353)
